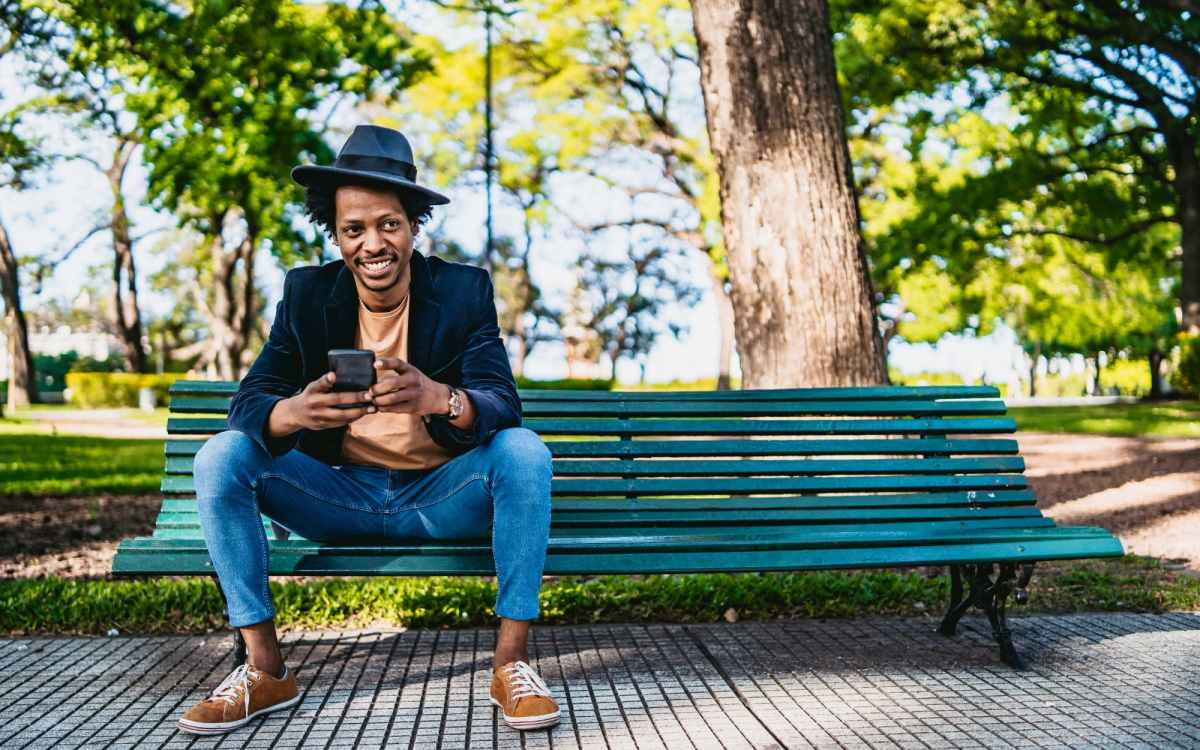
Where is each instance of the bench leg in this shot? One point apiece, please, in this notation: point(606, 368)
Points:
point(239, 643)
point(958, 605)
point(991, 595)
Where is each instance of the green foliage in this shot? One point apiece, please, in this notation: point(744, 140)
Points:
point(165, 605)
point(566, 384)
point(924, 378)
point(1187, 372)
point(49, 465)
point(1043, 195)
point(94, 389)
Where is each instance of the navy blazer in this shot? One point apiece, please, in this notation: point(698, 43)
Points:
point(452, 338)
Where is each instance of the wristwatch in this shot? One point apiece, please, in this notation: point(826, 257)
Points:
point(456, 403)
point(456, 406)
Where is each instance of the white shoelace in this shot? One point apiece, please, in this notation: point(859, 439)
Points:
point(525, 681)
point(238, 679)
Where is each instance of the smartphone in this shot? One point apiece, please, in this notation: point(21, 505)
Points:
point(355, 371)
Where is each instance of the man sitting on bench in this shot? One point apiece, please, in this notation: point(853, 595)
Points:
point(432, 450)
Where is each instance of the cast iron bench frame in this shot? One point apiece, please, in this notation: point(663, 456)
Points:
point(717, 481)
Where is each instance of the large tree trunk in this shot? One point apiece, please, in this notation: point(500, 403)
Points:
point(22, 390)
point(724, 325)
point(802, 299)
point(124, 294)
point(1181, 148)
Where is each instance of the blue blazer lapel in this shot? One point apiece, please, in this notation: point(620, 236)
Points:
point(424, 313)
point(341, 312)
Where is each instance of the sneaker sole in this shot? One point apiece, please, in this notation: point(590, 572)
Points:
point(527, 722)
point(193, 727)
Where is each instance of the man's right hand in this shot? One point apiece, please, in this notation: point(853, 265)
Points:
point(315, 408)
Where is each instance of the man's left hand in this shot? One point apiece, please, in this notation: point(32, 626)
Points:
point(401, 388)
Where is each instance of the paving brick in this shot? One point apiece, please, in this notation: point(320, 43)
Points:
point(1113, 680)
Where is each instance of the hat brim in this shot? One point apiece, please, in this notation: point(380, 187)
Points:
point(313, 175)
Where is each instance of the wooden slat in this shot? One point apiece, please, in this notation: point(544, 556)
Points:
point(717, 447)
point(759, 522)
point(969, 499)
point(182, 465)
point(176, 484)
point(151, 556)
point(225, 389)
point(700, 427)
point(666, 540)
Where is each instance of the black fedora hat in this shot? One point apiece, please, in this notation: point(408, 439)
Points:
point(371, 155)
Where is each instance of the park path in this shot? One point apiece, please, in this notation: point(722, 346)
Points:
point(1105, 680)
point(1144, 490)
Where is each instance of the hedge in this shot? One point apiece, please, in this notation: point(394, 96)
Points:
point(91, 389)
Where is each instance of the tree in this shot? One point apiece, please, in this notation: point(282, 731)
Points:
point(1103, 89)
point(802, 299)
point(614, 99)
point(95, 96)
point(626, 300)
point(22, 31)
point(223, 135)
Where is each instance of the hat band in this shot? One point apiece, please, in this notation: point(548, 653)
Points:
point(377, 164)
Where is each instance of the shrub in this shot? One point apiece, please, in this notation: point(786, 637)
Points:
point(566, 384)
point(92, 389)
point(1186, 377)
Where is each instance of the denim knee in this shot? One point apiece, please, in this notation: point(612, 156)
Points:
point(520, 447)
point(227, 457)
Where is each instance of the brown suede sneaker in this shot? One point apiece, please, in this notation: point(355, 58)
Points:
point(523, 698)
point(241, 696)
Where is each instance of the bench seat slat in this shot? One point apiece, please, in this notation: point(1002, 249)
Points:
point(609, 448)
point(756, 502)
point(175, 484)
point(665, 539)
point(181, 465)
point(813, 531)
point(216, 389)
point(698, 427)
point(564, 519)
point(148, 556)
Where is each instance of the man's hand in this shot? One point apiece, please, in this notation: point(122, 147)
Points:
point(401, 388)
point(315, 408)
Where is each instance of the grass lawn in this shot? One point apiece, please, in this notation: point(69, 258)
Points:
point(192, 605)
point(1163, 419)
point(36, 464)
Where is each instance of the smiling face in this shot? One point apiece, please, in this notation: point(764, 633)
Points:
point(376, 239)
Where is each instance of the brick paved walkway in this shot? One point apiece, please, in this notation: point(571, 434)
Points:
point(1095, 681)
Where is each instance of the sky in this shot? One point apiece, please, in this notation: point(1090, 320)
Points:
point(71, 197)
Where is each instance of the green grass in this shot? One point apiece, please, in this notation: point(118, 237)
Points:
point(34, 464)
point(1163, 419)
point(192, 605)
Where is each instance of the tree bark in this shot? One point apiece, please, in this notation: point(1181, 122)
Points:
point(124, 294)
point(802, 300)
point(22, 390)
point(1156, 381)
point(232, 313)
point(1186, 162)
point(724, 326)
point(1033, 365)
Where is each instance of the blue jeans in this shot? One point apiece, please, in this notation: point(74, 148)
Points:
point(503, 486)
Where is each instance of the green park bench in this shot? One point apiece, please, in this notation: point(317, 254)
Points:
point(717, 481)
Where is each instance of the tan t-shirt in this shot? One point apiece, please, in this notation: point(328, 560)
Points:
point(397, 441)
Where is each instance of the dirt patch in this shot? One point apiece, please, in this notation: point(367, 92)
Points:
point(72, 537)
point(1145, 490)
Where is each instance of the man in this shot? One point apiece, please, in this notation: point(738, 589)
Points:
point(433, 450)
